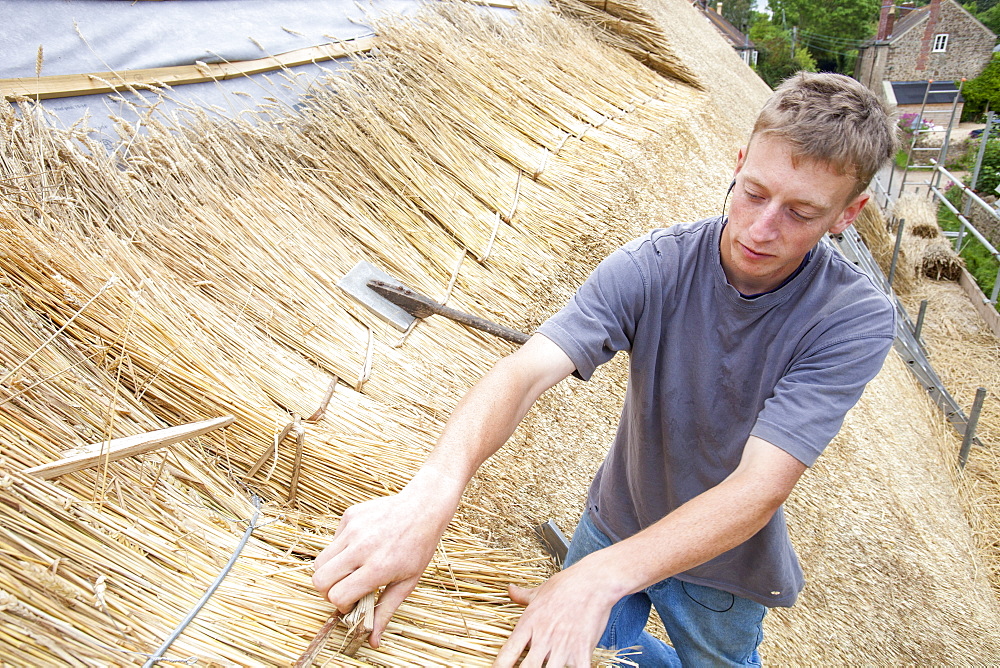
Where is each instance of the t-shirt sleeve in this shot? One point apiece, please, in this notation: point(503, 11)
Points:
point(601, 317)
point(809, 403)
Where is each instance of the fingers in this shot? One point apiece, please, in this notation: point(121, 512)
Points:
point(536, 658)
point(349, 590)
point(540, 654)
point(511, 650)
point(332, 569)
point(388, 602)
point(521, 595)
point(382, 542)
point(560, 626)
point(340, 542)
point(329, 552)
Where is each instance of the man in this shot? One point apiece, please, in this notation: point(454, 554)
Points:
point(748, 341)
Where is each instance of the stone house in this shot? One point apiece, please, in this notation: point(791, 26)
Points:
point(940, 41)
point(733, 35)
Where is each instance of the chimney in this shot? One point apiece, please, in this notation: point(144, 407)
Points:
point(934, 14)
point(885, 20)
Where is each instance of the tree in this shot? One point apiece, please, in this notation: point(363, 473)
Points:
point(739, 13)
point(775, 61)
point(987, 11)
point(983, 92)
point(983, 5)
point(832, 31)
point(991, 18)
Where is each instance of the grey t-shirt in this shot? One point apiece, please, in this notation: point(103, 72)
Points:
point(709, 368)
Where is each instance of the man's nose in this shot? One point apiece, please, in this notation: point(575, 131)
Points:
point(765, 224)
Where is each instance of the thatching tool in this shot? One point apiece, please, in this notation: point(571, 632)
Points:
point(553, 540)
point(400, 306)
point(360, 623)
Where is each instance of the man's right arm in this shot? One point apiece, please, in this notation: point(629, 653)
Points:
point(390, 540)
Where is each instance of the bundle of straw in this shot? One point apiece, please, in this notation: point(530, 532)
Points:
point(875, 231)
point(925, 230)
point(933, 256)
point(941, 262)
point(916, 209)
point(628, 26)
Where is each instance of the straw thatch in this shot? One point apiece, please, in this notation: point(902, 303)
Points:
point(190, 274)
point(629, 26)
point(885, 545)
point(916, 209)
point(926, 230)
point(966, 355)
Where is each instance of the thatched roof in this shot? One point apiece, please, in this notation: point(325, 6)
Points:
point(191, 274)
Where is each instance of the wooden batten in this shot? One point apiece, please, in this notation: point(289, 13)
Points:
point(70, 85)
point(128, 446)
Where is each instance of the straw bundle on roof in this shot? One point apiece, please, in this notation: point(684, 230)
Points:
point(926, 230)
point(915, 209)
point(936, 258)
point(941, 262)
point(628, 26)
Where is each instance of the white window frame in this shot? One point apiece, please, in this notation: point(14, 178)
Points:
point(940, 42)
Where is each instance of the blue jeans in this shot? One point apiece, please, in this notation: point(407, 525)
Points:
point(707, 626)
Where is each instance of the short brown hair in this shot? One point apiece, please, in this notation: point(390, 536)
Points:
point(833, 119)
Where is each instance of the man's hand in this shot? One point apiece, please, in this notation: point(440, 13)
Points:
point(389, 541)
point(383, 542)
point(564, 618)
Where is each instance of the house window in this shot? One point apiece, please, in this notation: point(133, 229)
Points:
point(940, 42)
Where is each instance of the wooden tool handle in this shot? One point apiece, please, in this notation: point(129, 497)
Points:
point(482, 324)
point(306, 660)
point(421, 306)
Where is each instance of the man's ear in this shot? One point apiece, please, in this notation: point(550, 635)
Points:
point(740, 158)
point(850, 214)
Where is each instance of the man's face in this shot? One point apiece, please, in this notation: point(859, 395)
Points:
point(779, 212)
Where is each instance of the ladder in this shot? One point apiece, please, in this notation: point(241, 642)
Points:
point(919, 130)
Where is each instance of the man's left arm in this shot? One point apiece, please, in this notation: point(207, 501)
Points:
point(566, 615)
